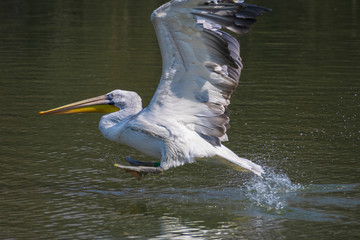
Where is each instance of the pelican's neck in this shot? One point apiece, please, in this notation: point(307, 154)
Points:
point(115, 118)
point(112, 124)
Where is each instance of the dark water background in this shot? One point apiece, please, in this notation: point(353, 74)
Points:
point(296, 111)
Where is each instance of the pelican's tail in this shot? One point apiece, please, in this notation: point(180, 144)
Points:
point(244, 163)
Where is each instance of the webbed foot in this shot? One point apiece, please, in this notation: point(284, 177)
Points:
point(134, 162)
point(139, 168)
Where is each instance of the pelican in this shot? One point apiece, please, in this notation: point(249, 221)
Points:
point(188, 115)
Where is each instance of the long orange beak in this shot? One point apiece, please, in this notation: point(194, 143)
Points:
point(97, 104)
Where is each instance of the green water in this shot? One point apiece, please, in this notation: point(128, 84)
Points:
point(296, 112)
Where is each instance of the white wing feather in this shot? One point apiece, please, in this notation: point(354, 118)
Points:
point(201, 63)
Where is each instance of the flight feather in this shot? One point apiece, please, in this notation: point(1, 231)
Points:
point(201, 62)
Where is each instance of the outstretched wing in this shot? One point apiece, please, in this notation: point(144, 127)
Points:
point(201, 62)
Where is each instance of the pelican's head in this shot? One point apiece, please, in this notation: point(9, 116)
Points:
point(108, 103)
point(125, 99)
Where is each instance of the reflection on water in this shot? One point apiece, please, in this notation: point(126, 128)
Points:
point(227, 212)
point(296, 112)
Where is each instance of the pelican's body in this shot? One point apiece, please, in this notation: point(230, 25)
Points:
point(187, 117)
point(159, 137)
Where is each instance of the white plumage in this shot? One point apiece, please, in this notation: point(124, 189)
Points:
point(187, 117)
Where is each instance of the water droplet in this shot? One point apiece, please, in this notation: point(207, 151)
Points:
point(270, 191)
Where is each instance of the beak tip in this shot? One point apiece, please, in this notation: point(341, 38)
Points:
point(42, 113)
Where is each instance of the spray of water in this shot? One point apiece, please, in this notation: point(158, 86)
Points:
point(271, 191)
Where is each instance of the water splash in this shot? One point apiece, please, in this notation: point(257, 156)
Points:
point(271, 191)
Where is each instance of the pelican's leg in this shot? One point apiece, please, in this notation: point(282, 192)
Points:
point(140, 168)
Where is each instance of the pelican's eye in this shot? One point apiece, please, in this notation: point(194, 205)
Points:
point(110, 96)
